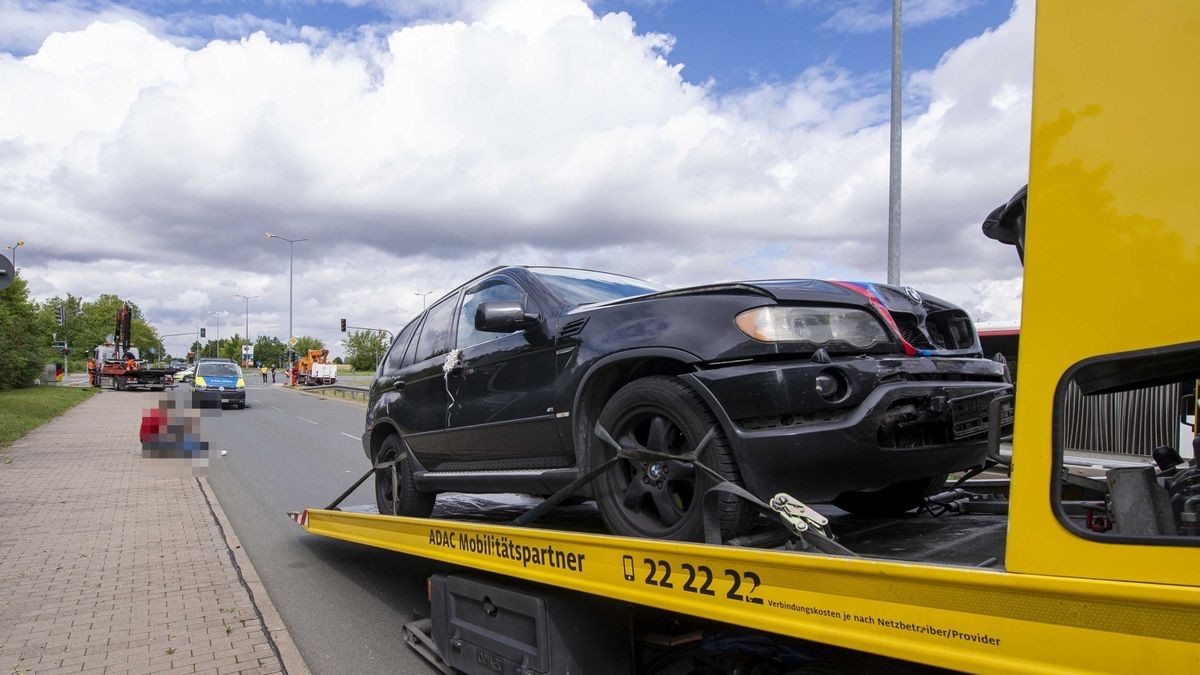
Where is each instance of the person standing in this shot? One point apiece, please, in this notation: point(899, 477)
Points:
point(263, 370)
point(272, 374)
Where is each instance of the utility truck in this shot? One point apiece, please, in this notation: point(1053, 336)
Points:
point(117, 365)
point(1038, 560)
point(314, 368)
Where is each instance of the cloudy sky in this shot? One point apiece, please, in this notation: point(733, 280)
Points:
point(145, 147)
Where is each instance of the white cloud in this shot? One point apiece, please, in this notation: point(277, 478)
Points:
point(863, 16)
point(535, 132)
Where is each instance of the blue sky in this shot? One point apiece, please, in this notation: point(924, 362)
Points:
point(744, 43)
point(736, 44)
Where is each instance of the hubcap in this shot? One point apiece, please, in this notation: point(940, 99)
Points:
point(656, 495)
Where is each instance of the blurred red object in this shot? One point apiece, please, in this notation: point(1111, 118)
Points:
point(153, 421)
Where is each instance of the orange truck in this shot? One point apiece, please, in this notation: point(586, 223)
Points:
point(314, 368)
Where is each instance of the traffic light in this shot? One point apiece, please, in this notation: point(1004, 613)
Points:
point(343, 325)
point(60, 315)
point(201, 332)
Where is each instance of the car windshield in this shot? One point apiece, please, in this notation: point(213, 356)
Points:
point(219, 370)
point(583, 287)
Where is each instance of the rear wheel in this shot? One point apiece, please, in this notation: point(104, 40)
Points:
point(892, 500)
point(401, 496)
point(662, 499)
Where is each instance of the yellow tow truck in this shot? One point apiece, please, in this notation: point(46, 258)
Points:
point(1039, 565)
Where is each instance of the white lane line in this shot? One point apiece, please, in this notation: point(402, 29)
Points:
point(274, 408)
point(308, 420)
point(254, 400)
point(349, 435)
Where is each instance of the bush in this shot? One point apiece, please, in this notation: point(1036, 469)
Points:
point(20, 346)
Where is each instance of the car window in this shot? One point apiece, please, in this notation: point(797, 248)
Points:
point(219, 370)
point(435, 333)
point(393, 361)
point(495, 289)
point(583, 287)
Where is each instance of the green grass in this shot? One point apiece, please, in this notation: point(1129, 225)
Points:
point(23, 410)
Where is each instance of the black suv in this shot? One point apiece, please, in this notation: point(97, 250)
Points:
point(865, 395)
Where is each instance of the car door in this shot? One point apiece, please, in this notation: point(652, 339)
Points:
point(421, 411)
point(387, 390)
point(504, 389)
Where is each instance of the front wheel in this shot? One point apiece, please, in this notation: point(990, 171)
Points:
point(399, 496)
point(663, 499)
point(893, 500)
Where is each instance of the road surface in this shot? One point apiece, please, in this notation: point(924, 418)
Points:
point(343, 603)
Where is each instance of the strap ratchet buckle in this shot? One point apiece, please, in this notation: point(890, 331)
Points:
point(796, 515)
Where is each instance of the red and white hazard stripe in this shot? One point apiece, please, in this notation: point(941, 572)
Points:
point(300, 517)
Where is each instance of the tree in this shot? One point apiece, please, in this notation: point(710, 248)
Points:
point(21, 345)
point(305, 343)
point(231, 347)
point(338, 360)
point(209, 351)
point(195, 348)
point(364, 348)
point(89, 324)
point(269, 350)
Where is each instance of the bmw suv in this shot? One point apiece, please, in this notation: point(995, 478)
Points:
point(864, 395)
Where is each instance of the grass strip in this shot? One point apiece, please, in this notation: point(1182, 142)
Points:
point(23, 410)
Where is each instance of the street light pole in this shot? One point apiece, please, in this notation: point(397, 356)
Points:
point(13, 248)
point(423, 298)
point(291, 266)
point(893, 258)
point(247, 298)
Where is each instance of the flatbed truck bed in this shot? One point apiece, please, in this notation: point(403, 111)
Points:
point(926, 588)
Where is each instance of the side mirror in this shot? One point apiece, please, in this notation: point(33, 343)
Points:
point(504, 317)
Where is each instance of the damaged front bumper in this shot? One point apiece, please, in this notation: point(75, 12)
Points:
point(889, 420)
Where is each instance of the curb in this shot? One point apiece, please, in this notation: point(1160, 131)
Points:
point(277, 632)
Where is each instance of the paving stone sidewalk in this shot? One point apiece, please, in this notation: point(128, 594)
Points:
point(104, 569)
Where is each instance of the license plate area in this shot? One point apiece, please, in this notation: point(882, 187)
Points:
point(969, 415)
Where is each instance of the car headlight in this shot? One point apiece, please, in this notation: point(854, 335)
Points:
point(199, 382)
point(816, 325)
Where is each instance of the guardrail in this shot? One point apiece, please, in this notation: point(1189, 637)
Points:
point(346, 391)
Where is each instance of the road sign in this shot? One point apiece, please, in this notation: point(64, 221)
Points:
point(292, 342)
point(247, 351)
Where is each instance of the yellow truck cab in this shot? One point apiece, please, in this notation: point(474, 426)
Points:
point(1095, 570)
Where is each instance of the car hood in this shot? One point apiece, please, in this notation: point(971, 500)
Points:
point(854, 293)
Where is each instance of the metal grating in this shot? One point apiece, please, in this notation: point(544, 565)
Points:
point(1128, 423)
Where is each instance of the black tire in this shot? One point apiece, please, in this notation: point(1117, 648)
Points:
point(410, 501)
point(893, 500)
point(663, 414)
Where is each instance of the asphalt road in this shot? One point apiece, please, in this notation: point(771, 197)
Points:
point(343, 603)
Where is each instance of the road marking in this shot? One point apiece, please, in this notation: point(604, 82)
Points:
point(308, 420)
point(274, 408)
point(350, 435)
point(254, 400)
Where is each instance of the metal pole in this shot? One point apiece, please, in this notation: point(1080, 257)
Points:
point(893, 256)
point(14, 248)
point(291, 267)
point(66, 342)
